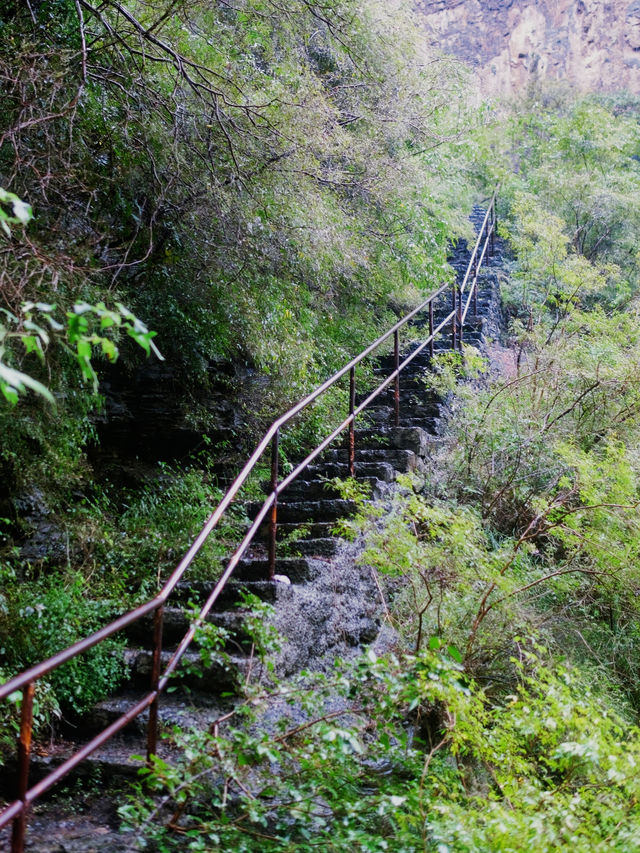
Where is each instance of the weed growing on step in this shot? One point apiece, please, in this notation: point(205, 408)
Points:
point(258, 625)
point(360, 493)
point(288, 542)
point(449, 369)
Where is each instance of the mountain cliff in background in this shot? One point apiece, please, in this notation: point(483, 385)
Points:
point(593, 44)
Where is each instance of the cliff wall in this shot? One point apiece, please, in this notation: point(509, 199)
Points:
point(593, 44)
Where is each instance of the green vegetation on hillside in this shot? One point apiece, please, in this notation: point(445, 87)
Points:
point(267, 185)
point(261, 185)
point(507, 719)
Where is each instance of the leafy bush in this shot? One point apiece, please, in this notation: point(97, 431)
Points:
point(413, 757)
point(42, 618)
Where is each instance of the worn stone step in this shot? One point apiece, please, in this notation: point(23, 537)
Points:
point(409, 416)
point(400, 438)
point(232, 594)
point(112, 763)
point(293, 533)
point(385, 366)
point(322, 489)
point(313, 489)
point(414, 393)
point(187, 710)
point(379, 470)
point(370, 437)
point(430, 424)
point(176, 623)
point(321, 548)
point(314, 510)
point(416, 403)
point(297, 569)
point(402, 459)
point(213, 676)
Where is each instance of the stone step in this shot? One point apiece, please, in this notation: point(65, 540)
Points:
point(176, 623)
point(413, 375)
point(418, 417)
point(323, 489)
point(430, 424)
point(216, 676)
point(232, 594)
point(112, 763)
point(186, 710)
point(386, 364)
point(414, 398)
point(294, 533)
point(321, 548)
point(403, 460)
point(411, 438)
point(297, 569)
point(380, 470)
point(314, 510)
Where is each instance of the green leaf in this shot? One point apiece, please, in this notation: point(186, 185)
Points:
point(109, 349)
point(14, 381)
point(32, 344)
point(454, 653)
point(9, 393)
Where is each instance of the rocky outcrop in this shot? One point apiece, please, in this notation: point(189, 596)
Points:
point(593, 44)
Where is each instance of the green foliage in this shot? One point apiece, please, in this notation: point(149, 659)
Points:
point(259, 627)
point(276, 201)
point(44, 617)
point(450, 368)
point(579, 161)
point(270, 184)
point(415, 757)
point(21, 212)
point(543, 459)
point(84, 330)
point(133, 543)
point(360, 493)
point(561, 767)
point(46, 712)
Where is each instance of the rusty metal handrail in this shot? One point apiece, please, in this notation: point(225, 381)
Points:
point(489, 225)
point(16, 811)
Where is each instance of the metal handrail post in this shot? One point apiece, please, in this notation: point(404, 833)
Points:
point(431, 328)
point(24, 757)
point(352, 429)
point(396, 388)
point(273, 515)
point(454, 294)
point(152, 725)
point(495, 219)
point(492, 230)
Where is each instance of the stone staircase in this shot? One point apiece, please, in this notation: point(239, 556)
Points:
point(307, 514)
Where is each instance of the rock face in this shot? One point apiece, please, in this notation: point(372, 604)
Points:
point(593, 44)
